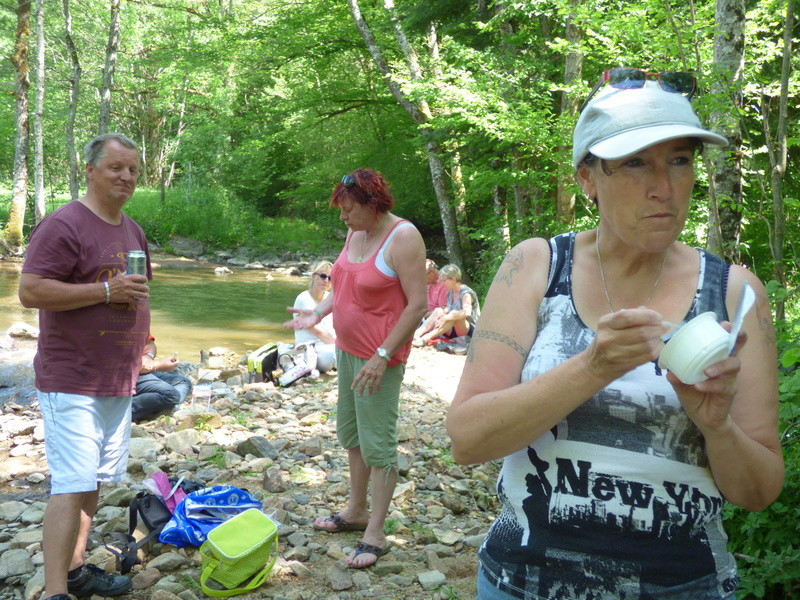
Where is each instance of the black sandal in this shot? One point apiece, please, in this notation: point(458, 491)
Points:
point(340, 525)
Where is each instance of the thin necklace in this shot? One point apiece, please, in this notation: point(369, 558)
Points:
point(603, 276)
point(364, 247)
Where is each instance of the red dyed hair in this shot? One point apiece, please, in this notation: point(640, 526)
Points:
point(371, 190)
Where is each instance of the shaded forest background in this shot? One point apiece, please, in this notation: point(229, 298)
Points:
point(247, 113)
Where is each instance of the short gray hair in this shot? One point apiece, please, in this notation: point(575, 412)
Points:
point(450, 271)
point(96, 149)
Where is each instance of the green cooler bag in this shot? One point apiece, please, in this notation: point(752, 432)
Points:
point(243, 547)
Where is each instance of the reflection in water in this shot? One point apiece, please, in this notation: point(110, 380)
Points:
point(194, 309)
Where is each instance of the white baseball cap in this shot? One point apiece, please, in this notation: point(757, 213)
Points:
point(620, 122)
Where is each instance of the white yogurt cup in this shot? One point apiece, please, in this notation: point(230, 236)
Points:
point(694, 347)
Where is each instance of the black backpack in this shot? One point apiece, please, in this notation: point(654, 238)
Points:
point(153, 513)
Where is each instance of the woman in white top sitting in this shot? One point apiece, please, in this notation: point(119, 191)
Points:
point(322, 334)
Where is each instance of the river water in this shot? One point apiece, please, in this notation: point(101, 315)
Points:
point(194, 309)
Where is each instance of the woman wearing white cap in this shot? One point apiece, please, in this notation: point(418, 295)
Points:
point(615, 472)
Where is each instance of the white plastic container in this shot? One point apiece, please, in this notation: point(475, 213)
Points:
point(695, 347)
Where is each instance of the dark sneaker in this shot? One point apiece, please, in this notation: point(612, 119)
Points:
point(59, 597)
point(93, 580)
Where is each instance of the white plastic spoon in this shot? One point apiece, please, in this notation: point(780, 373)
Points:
point(746, 299)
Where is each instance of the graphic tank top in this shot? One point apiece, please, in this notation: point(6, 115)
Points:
point(617, 500)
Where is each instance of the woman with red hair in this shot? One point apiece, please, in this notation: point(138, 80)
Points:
point(377, 300)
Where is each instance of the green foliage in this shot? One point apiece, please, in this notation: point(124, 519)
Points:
point(390, 526)
point(242, 418)
point(218, 458)
point(766, 543)
point(217, 218)
point(190, 583)
point(449, 592)
point(302, 474)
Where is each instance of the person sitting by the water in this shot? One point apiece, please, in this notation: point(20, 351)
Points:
point(322, 334)
point(458, 318)
point(156, 388)
point(437, 292)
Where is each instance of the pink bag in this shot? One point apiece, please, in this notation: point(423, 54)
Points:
point(171, 495)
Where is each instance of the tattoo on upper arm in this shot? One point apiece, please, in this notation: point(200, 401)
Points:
point(765, 321)
point(767, 327)
point(511, 265)
point(503, 339)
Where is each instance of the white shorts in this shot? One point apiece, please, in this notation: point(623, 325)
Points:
point(86, 439)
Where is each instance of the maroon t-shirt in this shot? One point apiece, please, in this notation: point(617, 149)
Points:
point(95, 350)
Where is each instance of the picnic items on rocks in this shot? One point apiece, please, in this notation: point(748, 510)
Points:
point(148, 512)
point(203, 510)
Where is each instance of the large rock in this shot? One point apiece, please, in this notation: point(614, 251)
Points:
point(144, 449)
point(258, 446)
point(23, 331)
point(185, 246)
point(10, 511)
point(16, 375)
point(430, 580)
point(182, 441)
point(15, 562)
point(13, 426)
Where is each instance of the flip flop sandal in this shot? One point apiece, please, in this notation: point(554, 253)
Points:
point(341, 525)
point(365, 548)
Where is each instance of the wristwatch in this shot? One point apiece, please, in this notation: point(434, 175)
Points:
point(383, 354)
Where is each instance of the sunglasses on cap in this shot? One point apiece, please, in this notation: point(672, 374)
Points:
point(324, 276)
point(624, 78)
point(348, 181)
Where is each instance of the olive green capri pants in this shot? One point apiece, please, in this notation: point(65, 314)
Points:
point(368, 421)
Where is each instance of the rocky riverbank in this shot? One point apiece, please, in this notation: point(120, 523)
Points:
point(280, 444)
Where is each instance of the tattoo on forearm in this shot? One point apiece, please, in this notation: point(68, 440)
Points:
point(511, 265)
point(503, 339)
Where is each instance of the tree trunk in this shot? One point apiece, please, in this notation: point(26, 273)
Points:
point(19, 194)
point(38, 136)
point(573, 69)
point(108, 71)
point(446, 209)
point(419, 113)
point(74, 92)
point(522, 212)
point(459, 190)
point(500, 209)
point(778, 162)
point(725, 164)
point(462, 218)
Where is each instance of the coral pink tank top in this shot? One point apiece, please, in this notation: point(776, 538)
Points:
point(366, 304)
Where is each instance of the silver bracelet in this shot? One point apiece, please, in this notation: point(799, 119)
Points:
point(108, 292)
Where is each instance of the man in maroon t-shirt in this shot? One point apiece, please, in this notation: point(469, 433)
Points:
point(93, 320)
